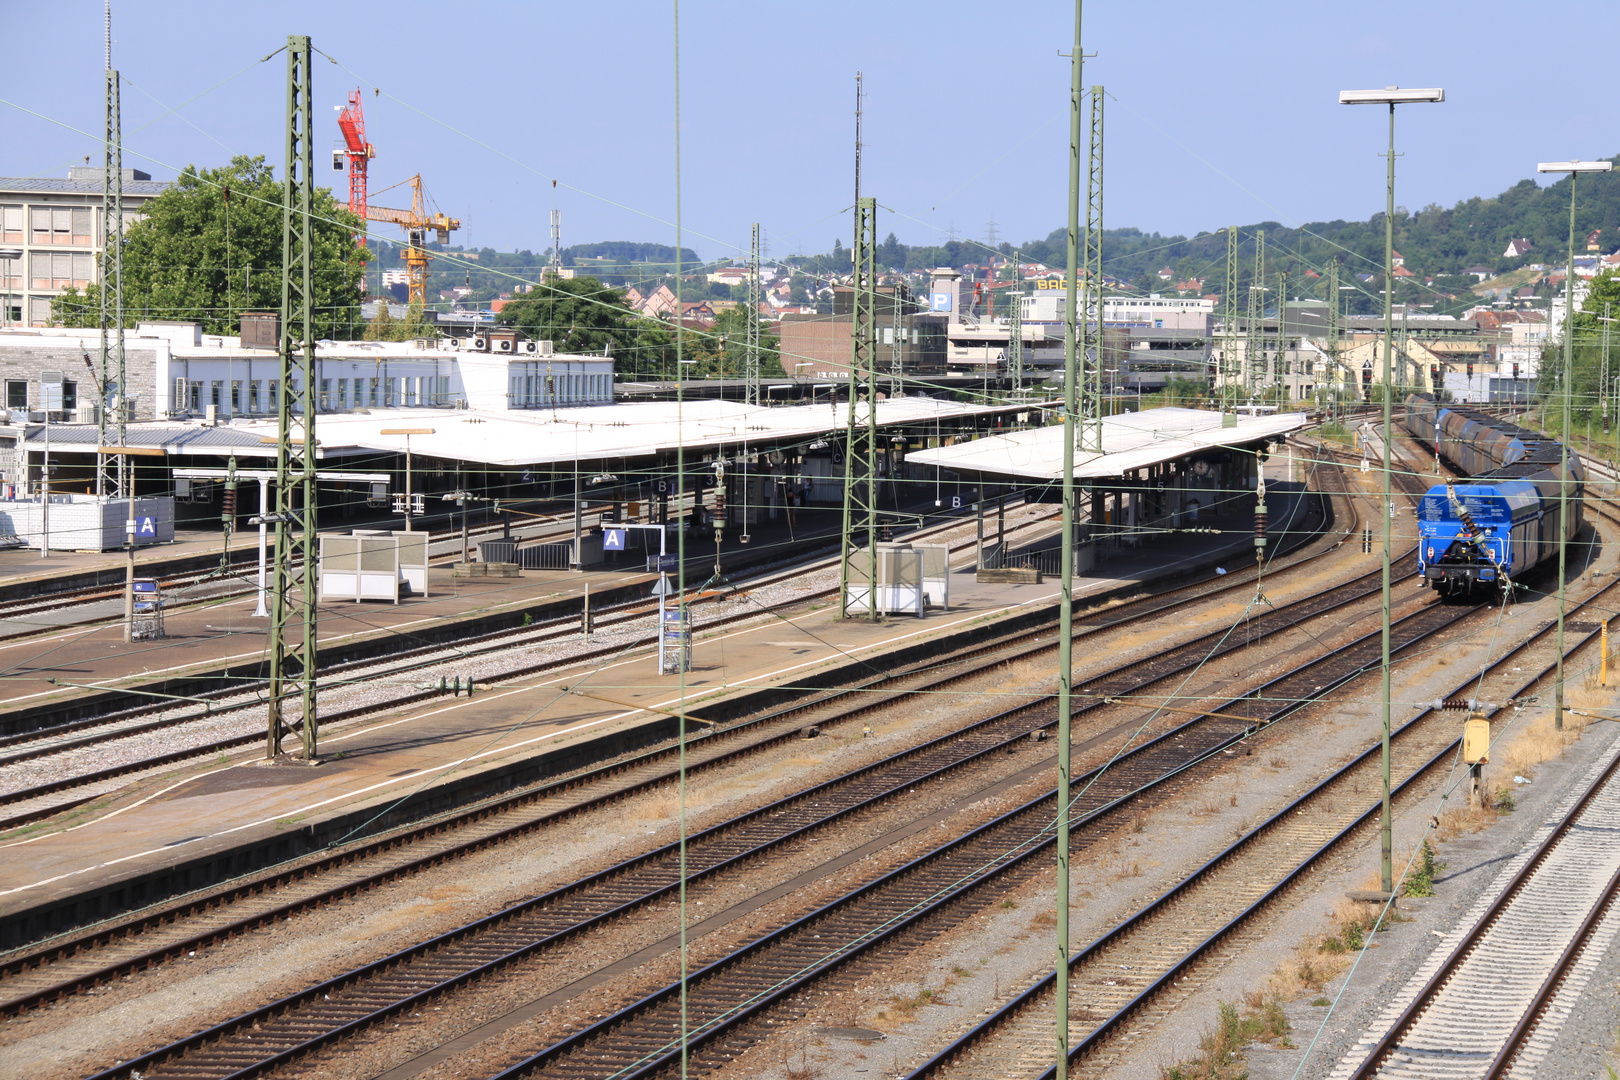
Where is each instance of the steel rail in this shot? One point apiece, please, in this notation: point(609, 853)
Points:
point(1092, 1042)
point(391, 662)
point(1168, 664)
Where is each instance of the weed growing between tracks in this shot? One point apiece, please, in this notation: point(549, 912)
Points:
point(1220, 1049)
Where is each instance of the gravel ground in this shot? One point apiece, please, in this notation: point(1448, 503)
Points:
point(376, 686)
point(164, 1000)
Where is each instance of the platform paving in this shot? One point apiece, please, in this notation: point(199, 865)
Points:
point(384, 764)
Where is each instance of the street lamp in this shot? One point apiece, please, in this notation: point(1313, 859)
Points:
point(1574, 168)
point(1390, 96)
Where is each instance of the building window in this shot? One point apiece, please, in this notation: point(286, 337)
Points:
point(253, 395)
point(70, 396)
point(374, 392)
point(196, 396)
point(16, 394)
point(442, 396)
point(216, 391)
point(275, 398)
point(11, 224)
point(325, 401)
point(48, 270)
point(61, 225)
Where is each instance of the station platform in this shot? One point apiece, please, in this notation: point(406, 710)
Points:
point(214, 820)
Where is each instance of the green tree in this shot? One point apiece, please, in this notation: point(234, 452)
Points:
point(386, 328)
point(721, 352)
point(209, 249)
point(582, 315)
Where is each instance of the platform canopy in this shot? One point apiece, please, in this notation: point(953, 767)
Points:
point(523, 437)
point(1130, 441)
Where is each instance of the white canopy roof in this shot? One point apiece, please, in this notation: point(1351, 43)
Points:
point(631, 429)
point(1130, 441)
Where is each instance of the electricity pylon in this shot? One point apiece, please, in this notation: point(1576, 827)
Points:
point(751, 352)
point(292, 662)
point(1231, 372)
point(860, 473)
point(1090, 316)
point(110, 468)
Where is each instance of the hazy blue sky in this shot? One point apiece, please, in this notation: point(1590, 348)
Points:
point(1219, 113)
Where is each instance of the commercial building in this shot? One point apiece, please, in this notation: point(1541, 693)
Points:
point(50, 236)
point(818, 346)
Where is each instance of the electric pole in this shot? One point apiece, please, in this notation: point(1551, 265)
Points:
point(292, 620)
point(860, 473)
point(1231, 372)
point(110, 467)
point(1333, 336)
point(1091, 313)
point(751, 349)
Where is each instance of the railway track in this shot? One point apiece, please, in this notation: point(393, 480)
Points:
point(1479, 1013)
point(1150, 765)
point(162, 714)
point(517, 814)
point(1163, 941)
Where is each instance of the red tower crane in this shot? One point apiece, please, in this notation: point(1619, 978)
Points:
point(359, 152)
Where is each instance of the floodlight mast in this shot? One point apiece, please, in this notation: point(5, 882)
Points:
point(1390, 96)
point(1566, 385)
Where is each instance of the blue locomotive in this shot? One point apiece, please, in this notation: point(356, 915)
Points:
point(1480, 533)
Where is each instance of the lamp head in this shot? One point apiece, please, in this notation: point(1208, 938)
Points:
point(1391, 95)
point(1574, 166)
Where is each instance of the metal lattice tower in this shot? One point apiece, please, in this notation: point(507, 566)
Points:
point(1015, 346)
point(1090, 316)
point(110, 468)
point(1231, 373)
point(1280, 368)
point(897, 348)
point(860, 473)
point(1603, 369)
point(1335, 365)
point(556, 245)
point(292, 618)
point(751, 348)
point(1254, 360)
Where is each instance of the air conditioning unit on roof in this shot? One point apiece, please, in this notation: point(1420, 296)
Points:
point(528, 347)
point(505, 344)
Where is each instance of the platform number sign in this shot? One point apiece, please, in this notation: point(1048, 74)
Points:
point(613, 539)
point(956, 502)
point(147, 527)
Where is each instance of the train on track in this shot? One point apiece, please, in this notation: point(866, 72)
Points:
point(1481, 533)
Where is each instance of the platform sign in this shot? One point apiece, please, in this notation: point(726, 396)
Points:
point(940, 301)
point(663, 564)
point(956, 502)
point(613, 539)
point(146, 527)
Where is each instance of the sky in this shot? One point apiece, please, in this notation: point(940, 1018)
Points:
point(1215, 114)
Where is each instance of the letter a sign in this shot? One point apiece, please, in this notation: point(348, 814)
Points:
point(613, 539)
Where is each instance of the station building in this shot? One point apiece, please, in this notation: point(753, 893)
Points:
point(486, 413)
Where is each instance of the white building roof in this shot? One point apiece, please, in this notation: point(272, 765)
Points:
point(631, 429)
point(1130, 441)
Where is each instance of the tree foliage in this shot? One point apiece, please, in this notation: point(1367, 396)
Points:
point(582, 315)
point(209, 248)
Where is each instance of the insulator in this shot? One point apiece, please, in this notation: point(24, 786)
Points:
point(229, 502)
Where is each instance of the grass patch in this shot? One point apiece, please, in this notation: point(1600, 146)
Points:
point(1420, 878)
point(1221, 1047)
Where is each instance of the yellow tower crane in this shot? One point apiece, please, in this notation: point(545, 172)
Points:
point(416, 222)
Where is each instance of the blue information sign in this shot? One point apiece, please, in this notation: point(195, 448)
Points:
point(663, 564)
point(613, 539)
